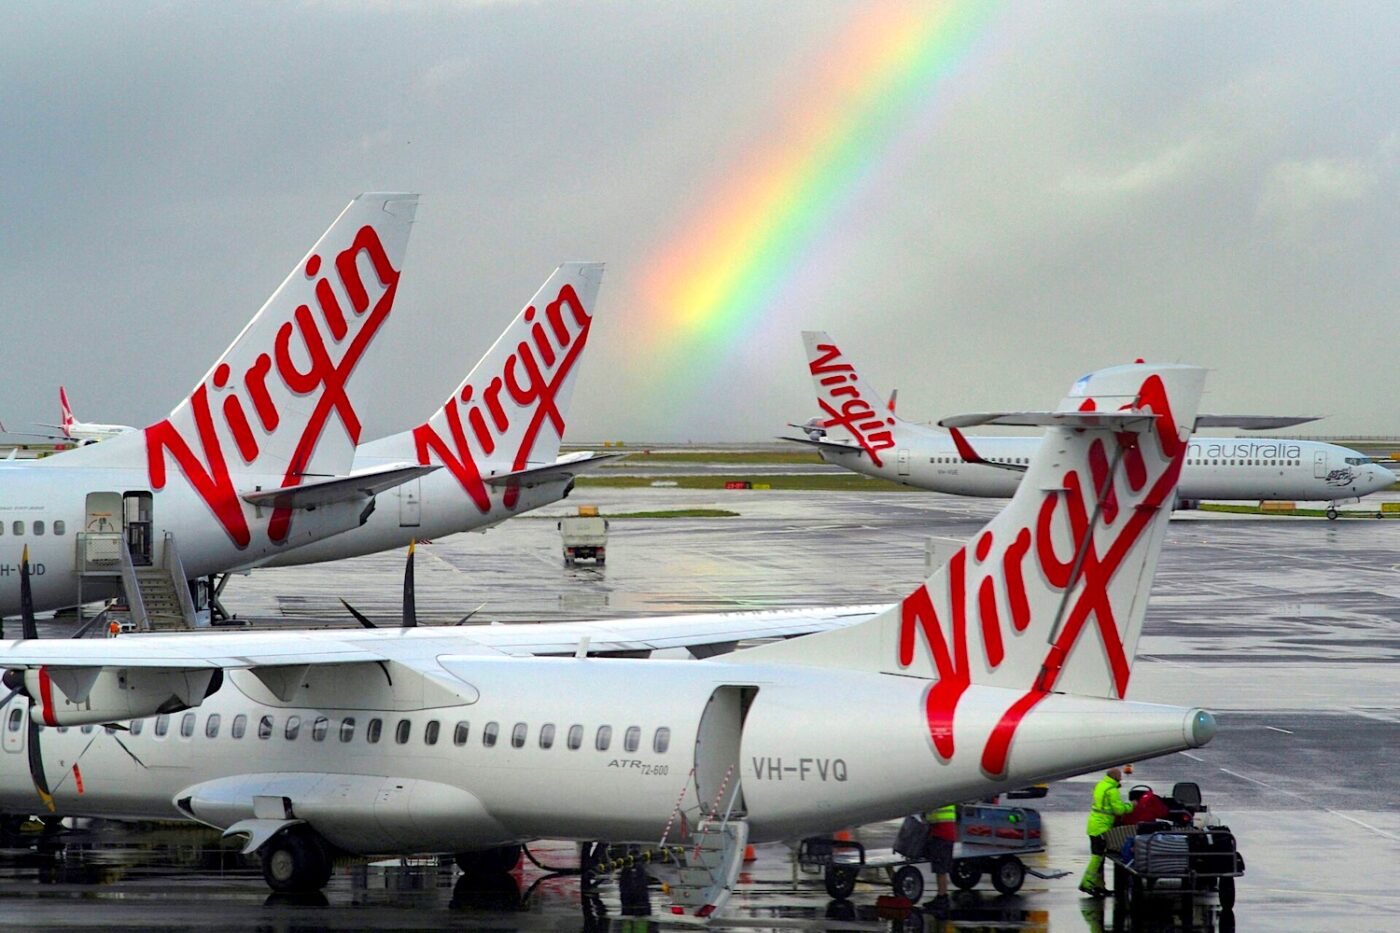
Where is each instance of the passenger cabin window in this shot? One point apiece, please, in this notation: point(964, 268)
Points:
point(547, 735)
point(603, 739)
point(319, 727)
point(38, 528)
point(59, 527)
point(661, 741)
point(372, 731)
point(292, 729)
point(265, 727)
point(402, 730)
point(19, 528)
point(632, 738)
point(162, 724)
point(459, 734)
point(187, 725)
point(137, 725)
point(575, 738)
point(517, 735)
point(347, 729)
point(489, 733)
point(16, 714)
point(87, 730)
point(240, 726)
point(430, 732)
point(211, 726)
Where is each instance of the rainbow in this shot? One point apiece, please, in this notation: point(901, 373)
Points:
point(721, 273)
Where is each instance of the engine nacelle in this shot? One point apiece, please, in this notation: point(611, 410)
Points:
point(78, 696)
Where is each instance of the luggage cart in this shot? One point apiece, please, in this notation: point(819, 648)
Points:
point(1187, 856)
point(991, 841)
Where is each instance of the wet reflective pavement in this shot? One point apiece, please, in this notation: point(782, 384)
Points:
point(1288, 628)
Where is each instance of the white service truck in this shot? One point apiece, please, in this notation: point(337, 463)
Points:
point(585, 536)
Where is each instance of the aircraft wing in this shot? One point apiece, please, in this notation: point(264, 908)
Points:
point(824, 444)
point(565, 468)
point(1051, 419)
point(245, 650)
point(1253, 422)
point(324, 491)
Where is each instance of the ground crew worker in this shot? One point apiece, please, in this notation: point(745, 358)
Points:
point(942, 833)
point(1108, 806)
point(113, 629)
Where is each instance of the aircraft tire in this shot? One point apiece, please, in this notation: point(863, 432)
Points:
point(1332, 514)
point(296, 862)
point(840, 881)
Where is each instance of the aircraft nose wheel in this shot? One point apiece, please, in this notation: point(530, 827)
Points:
point(296, 861)
point(1332, 513)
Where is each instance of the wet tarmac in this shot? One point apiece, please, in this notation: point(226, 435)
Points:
point(1289, 628)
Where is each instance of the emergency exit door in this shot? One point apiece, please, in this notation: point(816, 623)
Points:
point(410, 504)
point(14, 724)
point(1320, 464)
point(904, 463)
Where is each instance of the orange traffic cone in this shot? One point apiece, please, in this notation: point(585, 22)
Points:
point(842, 835)
point(749, 854)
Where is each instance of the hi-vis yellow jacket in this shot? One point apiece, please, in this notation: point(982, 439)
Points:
point(1107, 805)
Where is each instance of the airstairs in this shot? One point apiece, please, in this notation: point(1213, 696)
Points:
point(712, 854)
point(157, 593)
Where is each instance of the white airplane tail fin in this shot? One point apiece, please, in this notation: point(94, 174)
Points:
point(852, 411)
point(1051, 594)
point(508, 414)
point(66, 419)
point(277, 403)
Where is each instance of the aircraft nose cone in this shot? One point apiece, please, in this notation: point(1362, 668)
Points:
point(1381, 477)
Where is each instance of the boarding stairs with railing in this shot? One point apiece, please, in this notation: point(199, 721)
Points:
point(157, 594)
point(708, 864)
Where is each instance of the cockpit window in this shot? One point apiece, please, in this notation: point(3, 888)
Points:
point(1357, 461)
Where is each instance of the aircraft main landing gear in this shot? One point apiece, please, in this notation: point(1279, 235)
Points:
point(296, 861)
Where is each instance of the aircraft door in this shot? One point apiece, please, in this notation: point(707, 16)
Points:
point(136, 522)
point(904, 463)
point(717, 750)
point(410, 504)
point(1320, 464)
point(103, 513)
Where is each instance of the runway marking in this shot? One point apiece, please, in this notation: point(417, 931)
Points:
point(1277, 729)
point(1193, 757)
point(1350, 819)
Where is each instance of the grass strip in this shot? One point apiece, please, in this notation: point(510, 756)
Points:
point(1295, 513)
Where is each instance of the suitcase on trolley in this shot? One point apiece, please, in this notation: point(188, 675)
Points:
point(1212, 852)
point(1161, 854)
point(912, 841)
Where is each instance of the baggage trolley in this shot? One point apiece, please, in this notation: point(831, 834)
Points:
point(991, 841)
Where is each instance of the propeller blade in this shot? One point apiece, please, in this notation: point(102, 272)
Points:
point(36, 766)
point(90, 624)
point(359, 616)
point(116, 738)
point(410, 603)
point(463, 620)
point(26, 598)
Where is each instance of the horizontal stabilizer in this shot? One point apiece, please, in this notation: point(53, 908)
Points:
point(1112, 420)
point(1253, 422)
point(318, 492)
point(824, 445)
point(562, 470)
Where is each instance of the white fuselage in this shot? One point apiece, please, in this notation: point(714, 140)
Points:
point(767, 730)
point(423, 509)
point(45, 505)
point(1216, 467)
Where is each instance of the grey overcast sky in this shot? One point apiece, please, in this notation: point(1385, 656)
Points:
point(1035, 191)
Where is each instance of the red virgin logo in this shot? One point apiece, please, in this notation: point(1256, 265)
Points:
point(1090, 608)
point(856, 415)
point(531, 378)
point(306, 364)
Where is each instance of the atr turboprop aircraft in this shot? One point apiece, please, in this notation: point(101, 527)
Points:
point(497, 435)
point(857, 432)
point(1008, 666)
point(256, 461)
